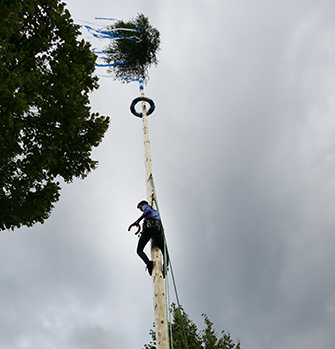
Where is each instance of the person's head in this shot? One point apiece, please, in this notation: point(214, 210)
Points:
point(141, 204)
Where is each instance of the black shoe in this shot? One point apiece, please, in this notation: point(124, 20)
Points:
point(150, 266)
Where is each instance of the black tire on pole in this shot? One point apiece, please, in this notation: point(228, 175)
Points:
point(142, 99)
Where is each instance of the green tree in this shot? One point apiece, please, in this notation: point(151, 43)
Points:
point(196, 339)
point(46, 128)
point(135, 50)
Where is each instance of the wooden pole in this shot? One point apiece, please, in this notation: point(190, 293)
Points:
point(156, 256)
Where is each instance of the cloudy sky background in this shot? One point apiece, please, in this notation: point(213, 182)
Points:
point(243, 142)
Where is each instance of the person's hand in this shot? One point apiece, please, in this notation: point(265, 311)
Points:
point(136, 224)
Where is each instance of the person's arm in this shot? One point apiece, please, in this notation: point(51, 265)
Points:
point(137, 222)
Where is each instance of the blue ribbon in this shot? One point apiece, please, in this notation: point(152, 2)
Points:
point(109, 64)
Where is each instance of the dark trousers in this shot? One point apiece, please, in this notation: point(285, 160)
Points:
point(146, 235)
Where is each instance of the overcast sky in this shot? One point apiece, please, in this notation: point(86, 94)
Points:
point(243, 144)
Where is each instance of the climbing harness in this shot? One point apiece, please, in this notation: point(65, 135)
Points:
point(153, 224)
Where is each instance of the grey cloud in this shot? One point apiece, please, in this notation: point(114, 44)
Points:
point(242, 142)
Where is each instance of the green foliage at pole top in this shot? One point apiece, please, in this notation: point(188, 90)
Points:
point(137, 50)
point(46, 128)
point(197, 339)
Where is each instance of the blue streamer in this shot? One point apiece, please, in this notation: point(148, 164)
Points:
point(98, 51)
point(107, 19)
point(116, 35)
point(128, 80)
point(117, 20)
point(109, 64)
point(104, 34)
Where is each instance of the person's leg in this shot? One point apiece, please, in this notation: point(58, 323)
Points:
point(144, 239)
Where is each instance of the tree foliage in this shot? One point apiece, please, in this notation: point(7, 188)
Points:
point(46, 128)
point(196, 339)
point(136, 49)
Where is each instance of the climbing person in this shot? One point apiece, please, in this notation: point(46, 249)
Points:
point(152, 228)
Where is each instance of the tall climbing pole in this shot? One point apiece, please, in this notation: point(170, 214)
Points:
point(159, 302)
point(129, 57)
